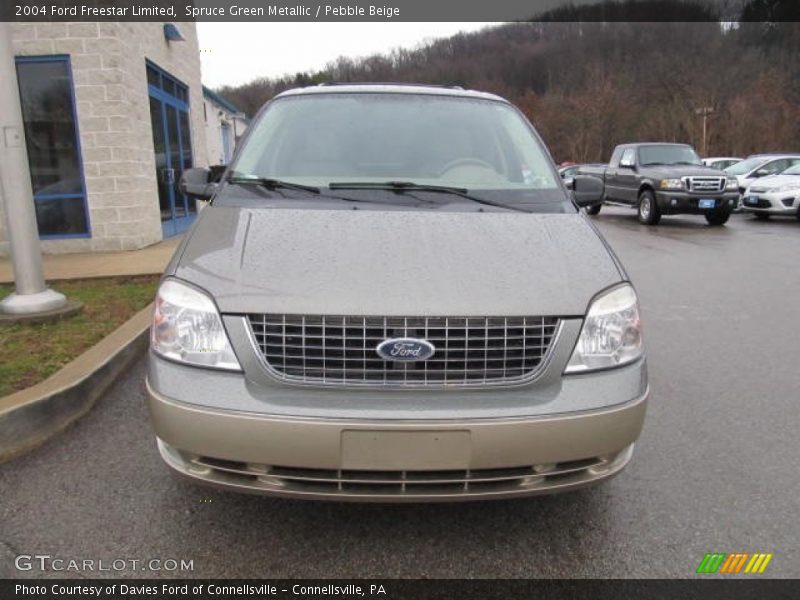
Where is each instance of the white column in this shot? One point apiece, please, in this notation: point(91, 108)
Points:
point(32, 295)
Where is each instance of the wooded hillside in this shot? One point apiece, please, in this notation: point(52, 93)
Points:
point(588, 86)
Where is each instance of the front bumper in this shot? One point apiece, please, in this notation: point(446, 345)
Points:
point(679, 202)
point(785, 203)
point(395, 460)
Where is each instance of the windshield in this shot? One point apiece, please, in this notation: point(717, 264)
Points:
point(668, 155)
point(795, 170)
point(746, 165)
point(319, 139)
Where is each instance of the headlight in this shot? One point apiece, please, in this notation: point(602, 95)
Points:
point(611, 334)
point(732, 184)
point(789, 187)
point(187, 328)
point(671, 184)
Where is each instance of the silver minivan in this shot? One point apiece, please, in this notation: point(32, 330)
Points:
point(392, 296)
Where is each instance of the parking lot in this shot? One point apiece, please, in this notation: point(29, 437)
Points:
point(715, 469)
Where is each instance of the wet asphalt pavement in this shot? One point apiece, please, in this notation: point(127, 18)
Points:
point(716, 468)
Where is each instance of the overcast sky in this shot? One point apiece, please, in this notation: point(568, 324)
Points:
point(235, 53)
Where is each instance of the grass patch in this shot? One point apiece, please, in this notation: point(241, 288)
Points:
point(30, 353)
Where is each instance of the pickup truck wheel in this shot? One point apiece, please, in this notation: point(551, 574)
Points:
point(718, 217)
point(594, 209)
point(648, 209)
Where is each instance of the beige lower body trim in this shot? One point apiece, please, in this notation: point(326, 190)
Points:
point(406, 460)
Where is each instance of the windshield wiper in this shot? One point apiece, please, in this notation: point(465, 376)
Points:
point(276, 184)
point(273, 184)
point(409, 186)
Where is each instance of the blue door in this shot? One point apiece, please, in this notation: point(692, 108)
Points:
point(169, 117)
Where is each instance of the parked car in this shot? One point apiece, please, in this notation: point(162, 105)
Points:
point(774, 195)
point(721, 162)
point(760, 165)
point(393, 297)
point(665, 179)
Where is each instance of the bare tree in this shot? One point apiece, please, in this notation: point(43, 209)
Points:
point(590, 85)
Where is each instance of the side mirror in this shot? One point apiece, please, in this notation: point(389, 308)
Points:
point(197, 183)
point(587, 190)
point(569, 182)
point(217, 171)
point(761, 173)
point(626, 164)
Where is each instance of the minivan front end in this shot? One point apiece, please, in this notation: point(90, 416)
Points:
point(506, 406)
point(321, 415)
point(464, 341)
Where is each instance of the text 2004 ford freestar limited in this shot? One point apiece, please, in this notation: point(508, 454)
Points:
point(393, 297)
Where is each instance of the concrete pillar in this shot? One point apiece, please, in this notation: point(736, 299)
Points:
point(32, 295)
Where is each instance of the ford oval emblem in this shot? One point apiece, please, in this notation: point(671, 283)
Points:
point(405, 349)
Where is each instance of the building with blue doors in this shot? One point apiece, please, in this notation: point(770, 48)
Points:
point(225, 124)
point(113, 113)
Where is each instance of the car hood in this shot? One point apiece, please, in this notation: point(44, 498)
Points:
point(773, 181)
point(396, 263)
point(682, 171)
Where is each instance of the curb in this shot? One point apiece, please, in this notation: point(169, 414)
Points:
point(32, 416)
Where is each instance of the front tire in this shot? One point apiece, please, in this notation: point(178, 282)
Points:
point(718, 217)
point(594, 209)
point(647, 209)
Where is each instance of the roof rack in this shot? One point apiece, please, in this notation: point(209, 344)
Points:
point(433, 85)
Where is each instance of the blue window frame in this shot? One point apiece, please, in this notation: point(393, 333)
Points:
point(47, 95)
point(165, 87)
point(169, 116)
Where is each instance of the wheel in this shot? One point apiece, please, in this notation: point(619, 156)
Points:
point(718, 217)
point(648, 208)
point(761, 216)
point(594, 209)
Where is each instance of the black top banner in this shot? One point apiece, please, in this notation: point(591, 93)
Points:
point(399, 10)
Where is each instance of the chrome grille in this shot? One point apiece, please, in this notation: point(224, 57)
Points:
point(341, 350)
point(704, 184)
point(399, 483)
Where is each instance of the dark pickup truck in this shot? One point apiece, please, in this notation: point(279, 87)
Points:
point(665, 179)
